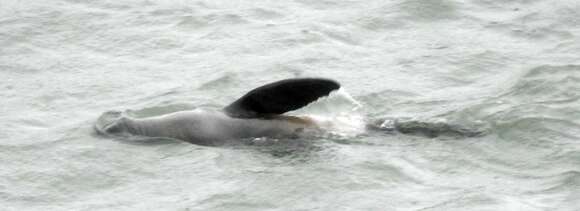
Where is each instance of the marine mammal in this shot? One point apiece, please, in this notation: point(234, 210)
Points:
point(259, 113)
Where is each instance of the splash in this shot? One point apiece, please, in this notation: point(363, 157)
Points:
point(339, 114)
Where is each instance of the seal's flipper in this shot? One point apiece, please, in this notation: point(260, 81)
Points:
point(280, 97)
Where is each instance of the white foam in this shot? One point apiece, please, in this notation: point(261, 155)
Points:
point(339, 114)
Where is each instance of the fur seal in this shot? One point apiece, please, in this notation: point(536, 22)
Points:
point(259, 113)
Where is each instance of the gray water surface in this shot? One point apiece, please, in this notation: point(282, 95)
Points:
point(510, 65)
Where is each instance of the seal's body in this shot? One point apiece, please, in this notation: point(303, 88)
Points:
point(256, 114)
point(207, 126)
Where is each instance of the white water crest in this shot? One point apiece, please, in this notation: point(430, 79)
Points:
point(339, 114)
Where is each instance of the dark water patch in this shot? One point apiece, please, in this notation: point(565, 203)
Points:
point(467, 200)
point(203, 20)
point(288, 151)
point(266, 14)
point(117, 6)
point(294, 70)
point(193, 22)
point(231, 19)
point(544, 128)
point(326, 4)
point(342, 37)
point(165, 43)
point(177, 10)
point(335, 32)
point(234, 202)
point(430, 128)
point(548, 83)
point(225, 88)
point(378, 20)
point(229, 79)
point(532, 32)
point(304, 37)
point(564, 182)
point(434, 10)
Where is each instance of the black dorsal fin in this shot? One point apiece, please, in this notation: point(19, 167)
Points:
point(280, 97)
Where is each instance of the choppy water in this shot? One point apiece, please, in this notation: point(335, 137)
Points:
point(512, 65)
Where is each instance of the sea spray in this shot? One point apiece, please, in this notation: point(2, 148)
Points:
point(339, 114)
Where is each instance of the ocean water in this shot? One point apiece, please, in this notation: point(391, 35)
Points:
point(512, 66)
